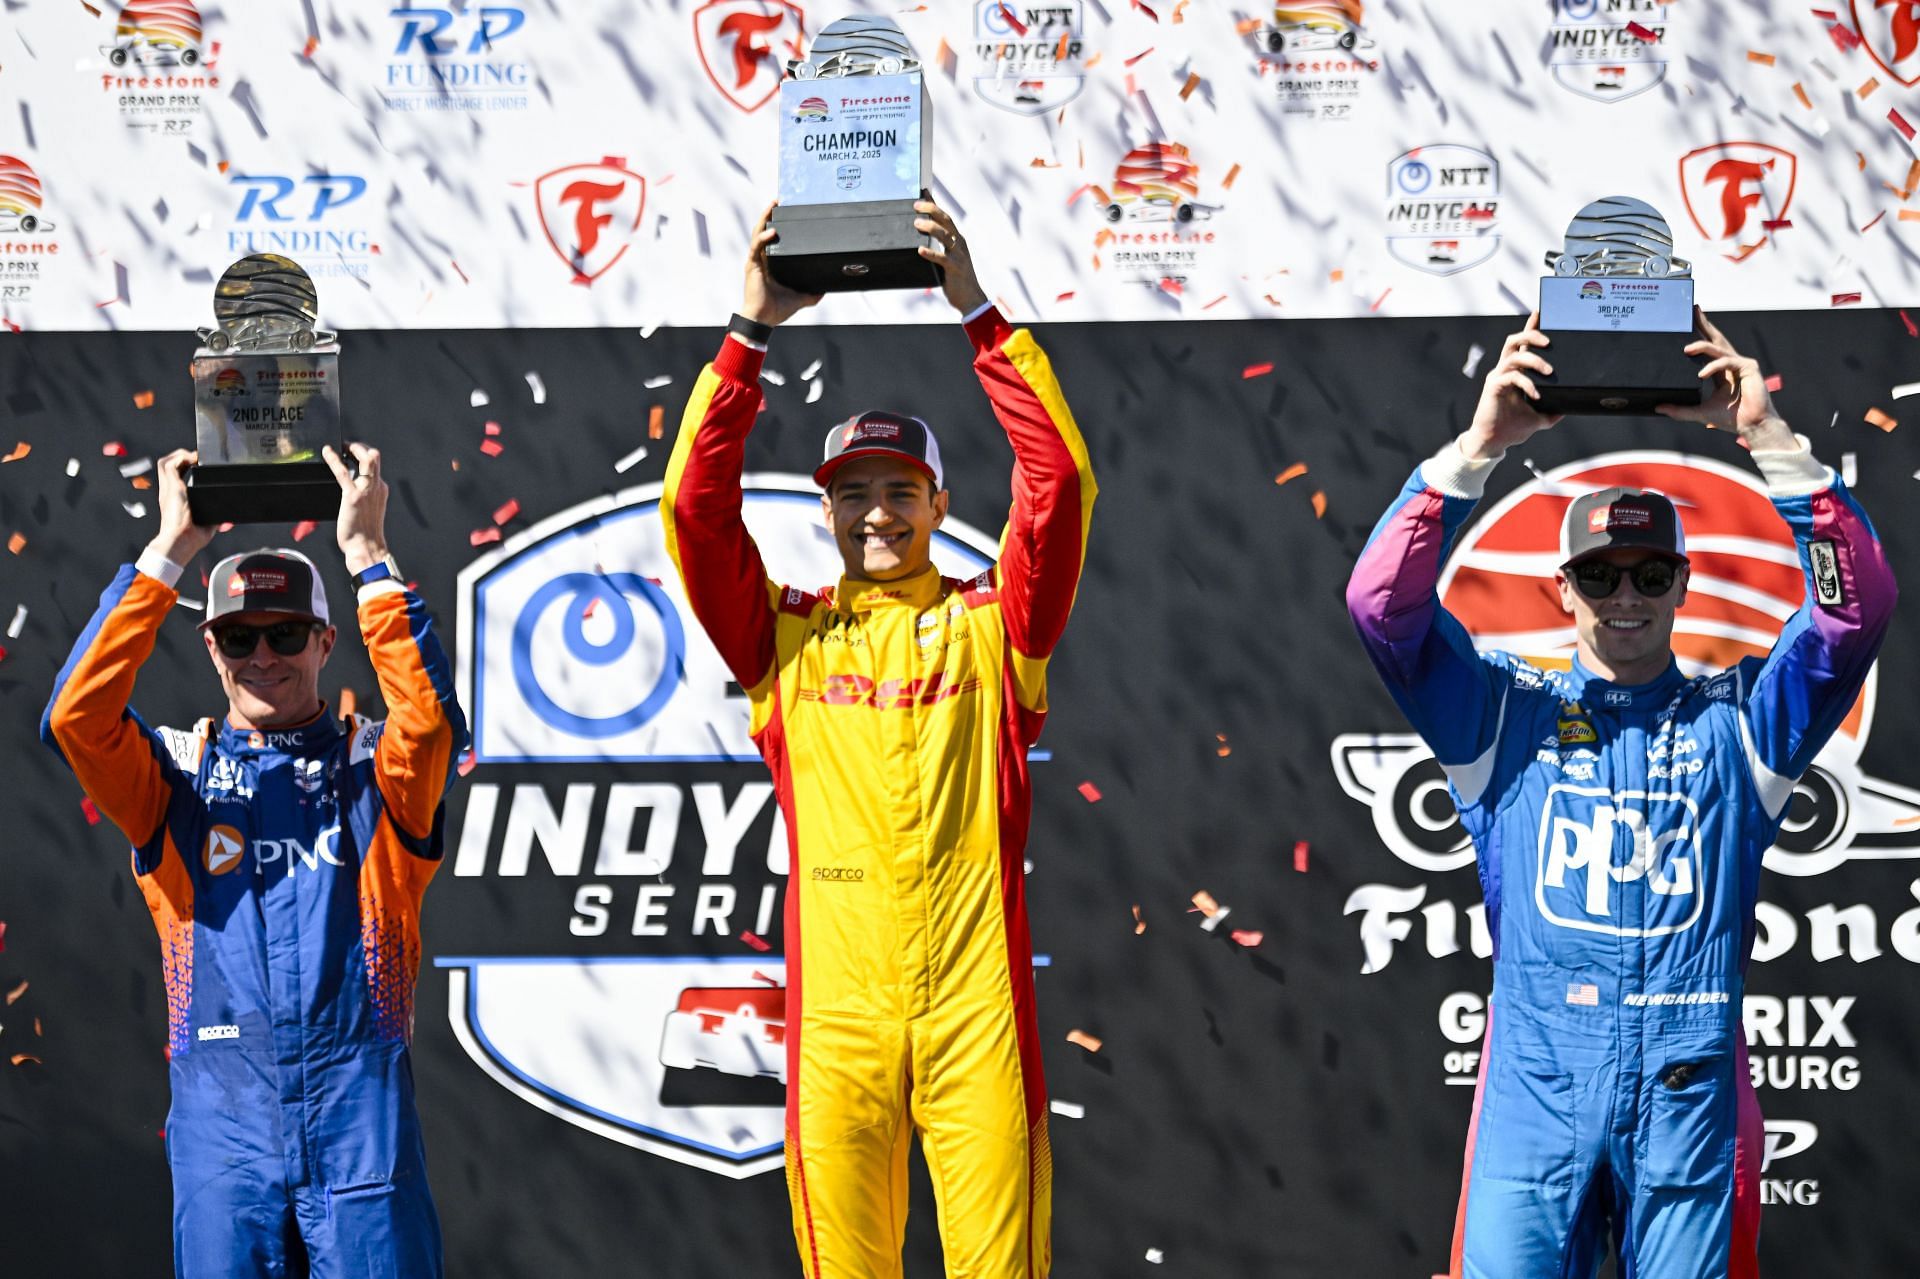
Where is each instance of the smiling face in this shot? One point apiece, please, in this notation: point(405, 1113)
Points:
point(266, 689)
point(882, 512)
point(1627, 636)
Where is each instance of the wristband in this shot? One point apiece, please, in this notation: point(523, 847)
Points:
point(752, 332)
point(379, 571)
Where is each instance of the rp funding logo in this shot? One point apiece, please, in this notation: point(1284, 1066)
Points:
point(464, 59)
point(1891, 31)
point(591, 214)
point(302, 217)
point(744, 45)
point(1734, 191)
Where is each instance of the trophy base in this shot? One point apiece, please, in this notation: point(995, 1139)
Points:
point(276, 493)
point(849, 248)
point(1610, 374)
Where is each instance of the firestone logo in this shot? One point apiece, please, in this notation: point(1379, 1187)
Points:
point(1737, 192)
point(591, 214)
point(1891, 31)
point(744, 46)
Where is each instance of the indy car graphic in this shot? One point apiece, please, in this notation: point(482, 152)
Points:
point(736, 1030)
point(1315, 28)
point(1157, 183)
point(157, 33)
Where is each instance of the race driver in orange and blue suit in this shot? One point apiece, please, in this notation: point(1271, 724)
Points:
point(283, 853)
point(1619, 812)
point(895, 710)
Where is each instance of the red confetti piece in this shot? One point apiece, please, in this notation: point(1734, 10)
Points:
point(1248, 937)
point(656, 421)
point(1080, 1038)
point(1826, 15)
point(1846, 299)
point(1143, 8)
point(1216, 302)
point(1300, 856)
point(757, 943)
point(313, 42)
point(492, 448)
point(1913, 330)
point(1255, 370)
point(87, 810)
point(1065, 297)
point(1019, 27)
point(1170, 285)
point(1899, 122)
point(462, 274)
point(1844, 39)
point(3, 654)
point(1079, 191)
point(1477, 215)
point(760, 976)
point(491, 428)
point(1293, 472)
point(20, 450)
point(1876, 221)
point(1882, 420)
point(481, 536)
point(115, 449)
point(143, 399)
point(1089, 792)
point(1776, 224)
point(1639, 32)
point(468, 762)
point(1774, 382)
point(508, 509)
point(1382, 298)
point(3, 935)
point(303, 528)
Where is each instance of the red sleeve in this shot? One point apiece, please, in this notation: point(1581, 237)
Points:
point(720, 567)
point(1053, 490)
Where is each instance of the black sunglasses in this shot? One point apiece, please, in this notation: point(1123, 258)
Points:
point(1598, 579)
point(237, 640)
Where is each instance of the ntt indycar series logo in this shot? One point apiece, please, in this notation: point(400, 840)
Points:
point(643, 995)
point(1610, 49)
point(1626, 863)
point(1030, 59)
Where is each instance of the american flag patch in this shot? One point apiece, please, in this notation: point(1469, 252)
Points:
point(1586, 996)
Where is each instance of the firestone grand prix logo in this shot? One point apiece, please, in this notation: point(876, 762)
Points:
point(1891, 31)
point(744, 45)
point(609, 736)
point(1158, 182)
point(591, 214)
point(158, 66)
point(26, 232)
point(1318, 54)
point(1746, 583)
point(1737, 192)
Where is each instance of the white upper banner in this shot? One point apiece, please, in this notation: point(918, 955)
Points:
point(533, 164)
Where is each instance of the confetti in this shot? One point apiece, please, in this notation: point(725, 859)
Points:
point(89, 811)
point(73, 467)
point(3, 936)
point(1800, 92)
point(481, 536)
point(467, 764)
point(1899, 122)
point(143, 399)
point(1139, 921)
point(815, 390)
point(1913, 330)
point(757, 943)
point(491, 428)
point(1293, 472)
point(1910, 215)
point(656, 422)
point(1300, 848)
point(349, 702)
point(506, 510)
point(138, 467)
point(1843, 39)
point(19, 1058)
point(20, 450)
point(1319, 503)
point(492, 448)
point(1193, 82)
point(1382, 298)
point(115, 449)
point(17, 543)
point(1213, 911)
point(1882, 420)
point(1248, 937)
point(775, 378)
point(1019, 27)
point(1475, 354)
point(631, 460)
point(1776, 224)
point(478, 398)
point(760, 976)
point(1089, 792)
point(1775, 381)
point(1143, 8)
point(1226, 183)
point(1084, 1040)
point(1846, 299)
point(1850, 469)
point(1155, 1256)
point(304, 529)
point(1764, 59)
point(1256, 370)
point(1872, 83)
point(1067, 1109)
point(535, 385)
point(1247, 26)
point(1222, 750)
point(138, 510)
point(1639, 32)
point(1900, 392)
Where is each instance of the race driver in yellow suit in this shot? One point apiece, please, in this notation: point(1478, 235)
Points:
point(895, 710)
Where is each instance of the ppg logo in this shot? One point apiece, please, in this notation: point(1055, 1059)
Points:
point(1601, 850)
point(577, 643)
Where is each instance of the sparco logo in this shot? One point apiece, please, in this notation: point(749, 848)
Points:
point(1746, 585)
point(839, 874)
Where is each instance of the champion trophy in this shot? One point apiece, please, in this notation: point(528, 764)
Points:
point(855, 129)
point(1619, 308)
point(266, 397)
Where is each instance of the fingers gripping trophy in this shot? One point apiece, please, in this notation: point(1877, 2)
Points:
point(1619, 809)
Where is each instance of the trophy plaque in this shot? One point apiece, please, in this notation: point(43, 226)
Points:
point(854, 156)
point(266, 397)
point(1619, 308)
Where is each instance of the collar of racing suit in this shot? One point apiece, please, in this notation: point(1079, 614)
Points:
point(857, 595)
point(307, 739)
point(1592, 690)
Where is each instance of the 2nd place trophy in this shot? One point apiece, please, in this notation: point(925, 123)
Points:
point(855, 130)
point(266, 397)
point(1619, 308)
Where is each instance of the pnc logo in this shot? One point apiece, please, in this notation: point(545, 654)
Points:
point(269, 852)
point(744, 46)
point(1891, 31)
point(590, 214)
point(224, 850)
point(1732, 189)
point(20, 197)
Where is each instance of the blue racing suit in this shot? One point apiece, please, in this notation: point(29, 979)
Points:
point(284, 871)
point(1619, 832)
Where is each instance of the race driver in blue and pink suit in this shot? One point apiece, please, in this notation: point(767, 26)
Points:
point(1619, 812)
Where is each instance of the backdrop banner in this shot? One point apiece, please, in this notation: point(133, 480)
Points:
point(1283, 1093)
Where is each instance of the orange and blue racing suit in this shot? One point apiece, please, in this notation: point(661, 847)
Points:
point(284, 870)
point(895, 717)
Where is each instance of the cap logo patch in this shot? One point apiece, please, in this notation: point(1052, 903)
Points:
point(1597, 520)
point(256, 579)
point(1619, 516)
point(879, 430)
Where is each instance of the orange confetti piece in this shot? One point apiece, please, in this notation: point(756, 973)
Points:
point(18, 1058)
point(1319, 504)
point(754, 940)
point(1140, 922)
point(1089, 792)
point(1882, 420)
point(143, 399)
point(1226, 183)
point(1873, 82)
point(1906, 215)
point(1255, 370)
point(1082, 1039)
point(506, 510)
point(222, 165)
point(656, 421)
point(20, 450)
point(313, 42)
point(1800, 92)
point(13, 995)
point(1248, 937)
point(1193, 82)
point(1041, 162)
point(349, 702)
point(1094, 61)
point(1179, 11)
point(1764, 59)
point(1336, 275)
point(17, 543)
point(1204, 902)
point(142, 482)
point(1102, 238)
point(1300, 856)
point(1293, 472)
point(1247, 26)
point(1060, 49)
point(1223, 749)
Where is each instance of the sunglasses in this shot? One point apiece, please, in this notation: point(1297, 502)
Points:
point(1598, 579)
point(237, 640)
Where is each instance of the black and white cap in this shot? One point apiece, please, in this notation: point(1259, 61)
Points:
point(1621, 518)
point(265, 581)
point(877, 433)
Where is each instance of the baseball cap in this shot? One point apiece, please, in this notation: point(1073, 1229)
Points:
point(1617, 518)
point(265, 581)
point(878, 433)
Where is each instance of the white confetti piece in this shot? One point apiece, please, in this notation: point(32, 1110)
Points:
point(19, 621)
point(192, 606)
point(657, 381)
point(647, 330)
point(139, 466)
point(1905, 389)
point(1212, 921)
point(1155, 1256)
point(815, 390)
point(631, 460)
point(778, 379)
point(1071, 1109)
point(538, 387)
point(1475, 354)
point(1850, 468)
point(1833, 420)
point(136, 509)
point(807, 374)
point(73, 467)
point(478, 398)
